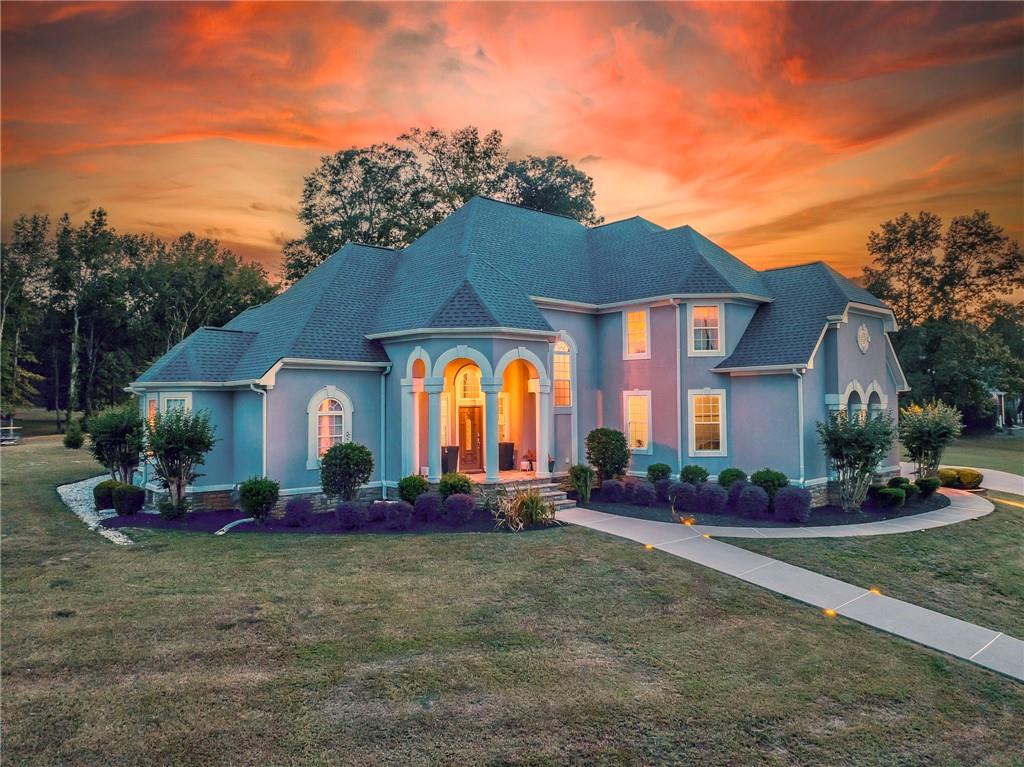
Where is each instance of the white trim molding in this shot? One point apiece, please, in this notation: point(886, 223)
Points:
point(690, 350)
point(184, 396)
point(646, 354)
point(645, 393)
point(462, 351)
point(328, 392)
point(722, 425)
point(520, 353)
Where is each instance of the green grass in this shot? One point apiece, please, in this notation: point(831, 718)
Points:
point(973, 570)
point(37, 421)
point(996, 451)
point(564, 646)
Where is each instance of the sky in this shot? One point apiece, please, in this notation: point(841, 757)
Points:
point(785, 132)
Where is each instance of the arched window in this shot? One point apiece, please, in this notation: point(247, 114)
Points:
point(562, 368)
point(874, 405)
point(855, 406)
point(330, 426)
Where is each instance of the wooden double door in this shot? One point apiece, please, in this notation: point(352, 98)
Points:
point(471, 438)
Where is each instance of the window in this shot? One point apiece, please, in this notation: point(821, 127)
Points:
point(707, 422)
point(503, 417)
point(446, 422)
point(152, 408)
point(330, 426)
point(636, 337)
point(706, 332)
point(563, 374)
point(175, 401)
point(636, 406)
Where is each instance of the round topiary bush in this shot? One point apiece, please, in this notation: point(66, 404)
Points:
point(257, 497)
point(928, 486)
point(298, 512)
point(657, 471)
point(459, 509)
point(662, 489)
point(608, 452)
point(377, 511)
point(350, 515)
point(734, 493)
point(103, 494)
point(454, 483)
point(969, 479)
point(727, 476)
point(891, 497)
point(73, 437)
point(344, 469)
point(685, 501)
point(711, 498)
point(412, 487)
point(948, 477)
point(693, 474)
point(128, 499)
point(428, 507)
point(644, 494)
point(911, 491)
point(770, 481)
point(898, 482)
point(793, 504)
point(628, 488)
point(399, 515)
point(753, 502)
point(612, 491)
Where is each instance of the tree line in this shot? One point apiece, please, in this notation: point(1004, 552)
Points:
point(958, 338)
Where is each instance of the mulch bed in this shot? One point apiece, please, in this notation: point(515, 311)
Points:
point(323, 523)
point(822, 516)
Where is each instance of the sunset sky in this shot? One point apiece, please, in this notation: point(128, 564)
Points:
point(784, 132)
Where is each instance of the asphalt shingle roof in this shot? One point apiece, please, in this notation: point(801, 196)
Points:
point(480, 267)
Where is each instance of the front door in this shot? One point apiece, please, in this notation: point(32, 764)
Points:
point(470, 439)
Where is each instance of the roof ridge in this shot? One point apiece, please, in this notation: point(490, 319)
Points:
point(693, 235)
point(522, 207)
point(465, 284)
point(794, 266)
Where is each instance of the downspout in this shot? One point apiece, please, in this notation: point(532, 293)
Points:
point(800, 418)
point(263, 394)
point(679, 386)
point(383, 433)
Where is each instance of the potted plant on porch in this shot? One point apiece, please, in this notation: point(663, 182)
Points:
point(551, 464)
point(529, 456)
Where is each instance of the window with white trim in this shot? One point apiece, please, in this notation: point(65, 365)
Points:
point(636, 334)
point(152, 408)
point(636, 415)
point(707, 422)
point(330, 426)
point(178, 400)
point(562, 365)
point(705, 333)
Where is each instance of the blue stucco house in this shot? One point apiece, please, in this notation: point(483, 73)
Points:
point(509, 333)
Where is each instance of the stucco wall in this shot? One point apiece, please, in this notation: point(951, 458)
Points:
point(763, 428)
point(248, 434)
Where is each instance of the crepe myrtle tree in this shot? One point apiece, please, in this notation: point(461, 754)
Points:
point(116, 437)
point(926, 431)
point(854, 447)
point(178, 441)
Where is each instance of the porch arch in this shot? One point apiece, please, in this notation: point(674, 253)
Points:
point(522, 353)
point(462, 351)
point(419, 353)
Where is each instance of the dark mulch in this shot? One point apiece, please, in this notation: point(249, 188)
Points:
point(322, 524)
point(820, 517)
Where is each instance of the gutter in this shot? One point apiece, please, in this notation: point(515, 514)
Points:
point(263, 393)
point(679, 385)
point(799, 373)
point(383, 434)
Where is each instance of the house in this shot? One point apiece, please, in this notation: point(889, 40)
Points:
point(504, 332)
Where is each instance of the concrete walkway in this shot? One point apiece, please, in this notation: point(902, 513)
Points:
point(988, 648)
point(1000, 481)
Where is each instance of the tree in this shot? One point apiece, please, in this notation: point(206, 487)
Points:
point(551, 184)
point(344, 469)
point(906, 267)
point(117, 435)
point(179, 441)
point(608, 452)
point(854, 447)
point(925, 432)
point(980, 262)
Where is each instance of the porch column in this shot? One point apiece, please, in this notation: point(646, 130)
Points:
point(543, 428)
point(434, 416)
point(408, 430)
point(491, 430)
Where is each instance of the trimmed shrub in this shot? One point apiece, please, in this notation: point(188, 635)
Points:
point(628, 488)
point(344, 469)
point(658, 471)
point(873, 491)
point(257, 497)
point(663, 489)
point(711, 498)
point(350, 515)
point(928, 486)
point(73, 437)
point(298, 512)
point(770, 481)
point(458, 509)
point(428, 507)
point(734, 493)
point(727, 476)
point(685, 501)
point(969, 478)
point(170, 510)
point(898, 482)
point(103, 494)
point(608, 452)
point(454, 483)
point(116, 438)
point(793, 504)
point(693, 474)
point(753, 502)
point(948, 477)
point(398, 515)
point(582, 478)
point(377, 511)
point(612, 491)
point(891, 497)
point(911, 491)
point(128, 499)
point(412, 487)
point(644, 494)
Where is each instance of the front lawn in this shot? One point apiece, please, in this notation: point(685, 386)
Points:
point(562, 646)
point(972, 570)
point(990, 451)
